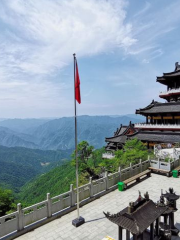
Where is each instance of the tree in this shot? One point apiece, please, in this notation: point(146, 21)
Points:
point(84, 152)
point(133, 151)
point(6, 201)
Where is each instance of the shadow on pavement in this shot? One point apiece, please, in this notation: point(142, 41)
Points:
point(96, 219)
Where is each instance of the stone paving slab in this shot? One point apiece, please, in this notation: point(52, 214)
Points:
point(97, 226)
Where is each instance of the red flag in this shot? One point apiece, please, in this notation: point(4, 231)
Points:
point(77, 86)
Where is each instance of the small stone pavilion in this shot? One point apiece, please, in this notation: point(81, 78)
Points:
point(142, 218)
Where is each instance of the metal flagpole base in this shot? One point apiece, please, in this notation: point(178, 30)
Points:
point(78, 221)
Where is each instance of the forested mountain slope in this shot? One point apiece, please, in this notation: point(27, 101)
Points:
point(55, 182)
point(18, 165)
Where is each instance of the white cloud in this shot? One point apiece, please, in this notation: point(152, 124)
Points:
point(38, 39)
point(46, 33)
point(150, 25)
point(143, 10)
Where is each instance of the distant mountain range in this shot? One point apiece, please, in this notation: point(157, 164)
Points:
point(59, 133)
point(22, 125)
point(10, 138)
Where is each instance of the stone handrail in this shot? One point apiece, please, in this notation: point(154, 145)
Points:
point(170, 91)
point(165, 126)
point(169, 166)
point(108, 155)
point(26, 219)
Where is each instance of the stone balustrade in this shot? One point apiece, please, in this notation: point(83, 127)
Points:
point(170, 165)
point(29, 218)
point(169, 92)
point(108, 155)
point(163, 126)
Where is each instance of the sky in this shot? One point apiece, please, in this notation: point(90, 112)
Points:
point(121, 46)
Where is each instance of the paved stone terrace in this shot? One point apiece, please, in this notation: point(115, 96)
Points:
point(97, 226)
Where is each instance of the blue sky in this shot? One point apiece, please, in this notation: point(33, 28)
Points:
point(121, 47)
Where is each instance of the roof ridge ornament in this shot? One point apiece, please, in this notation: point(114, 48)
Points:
point(177, 66)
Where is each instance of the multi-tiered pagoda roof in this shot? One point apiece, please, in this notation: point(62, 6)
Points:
point(157, 107)
point(162, 119)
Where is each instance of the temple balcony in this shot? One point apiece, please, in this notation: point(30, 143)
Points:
point(169, 92)
point(157, 126)
point(97, 226)
point(52, 218)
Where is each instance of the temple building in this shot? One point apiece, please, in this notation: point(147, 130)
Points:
point(162, 123)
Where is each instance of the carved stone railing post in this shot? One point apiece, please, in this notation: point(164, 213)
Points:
point(91, 187)
point(169, 162)
point(20, 217)
point(72, 195)
point(119, 170)
point(106, 180)
point(130, 169)
point(49, 205)
point(158, 164)
point(149, 160)
point(140, 163)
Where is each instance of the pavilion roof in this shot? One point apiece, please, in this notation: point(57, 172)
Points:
point(171, 196)
point(139, 220)
point(124, 132)
point(158, 136)
point(121, 130)
point(146, 135)
point(167, 77)
point(156, 107)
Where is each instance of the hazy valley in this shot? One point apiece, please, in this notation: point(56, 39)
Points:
point(59, 133)
point(32, 151)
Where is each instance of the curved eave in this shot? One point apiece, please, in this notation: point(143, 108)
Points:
point(172, 107)
point(167, 77)
point(163, 81)
point(123, 136)
point(141, 112)
point(117, 139)
point(172, 74)
point(124, 222)
point(150, 106)
point(148, 136)
point(156, 136)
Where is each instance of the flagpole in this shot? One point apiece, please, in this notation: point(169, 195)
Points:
point(79, 220)
point(77, 175)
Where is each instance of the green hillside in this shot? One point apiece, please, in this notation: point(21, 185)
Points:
point(56, 181)
point(13, 176)
point(18, 165)
point(90, 163)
